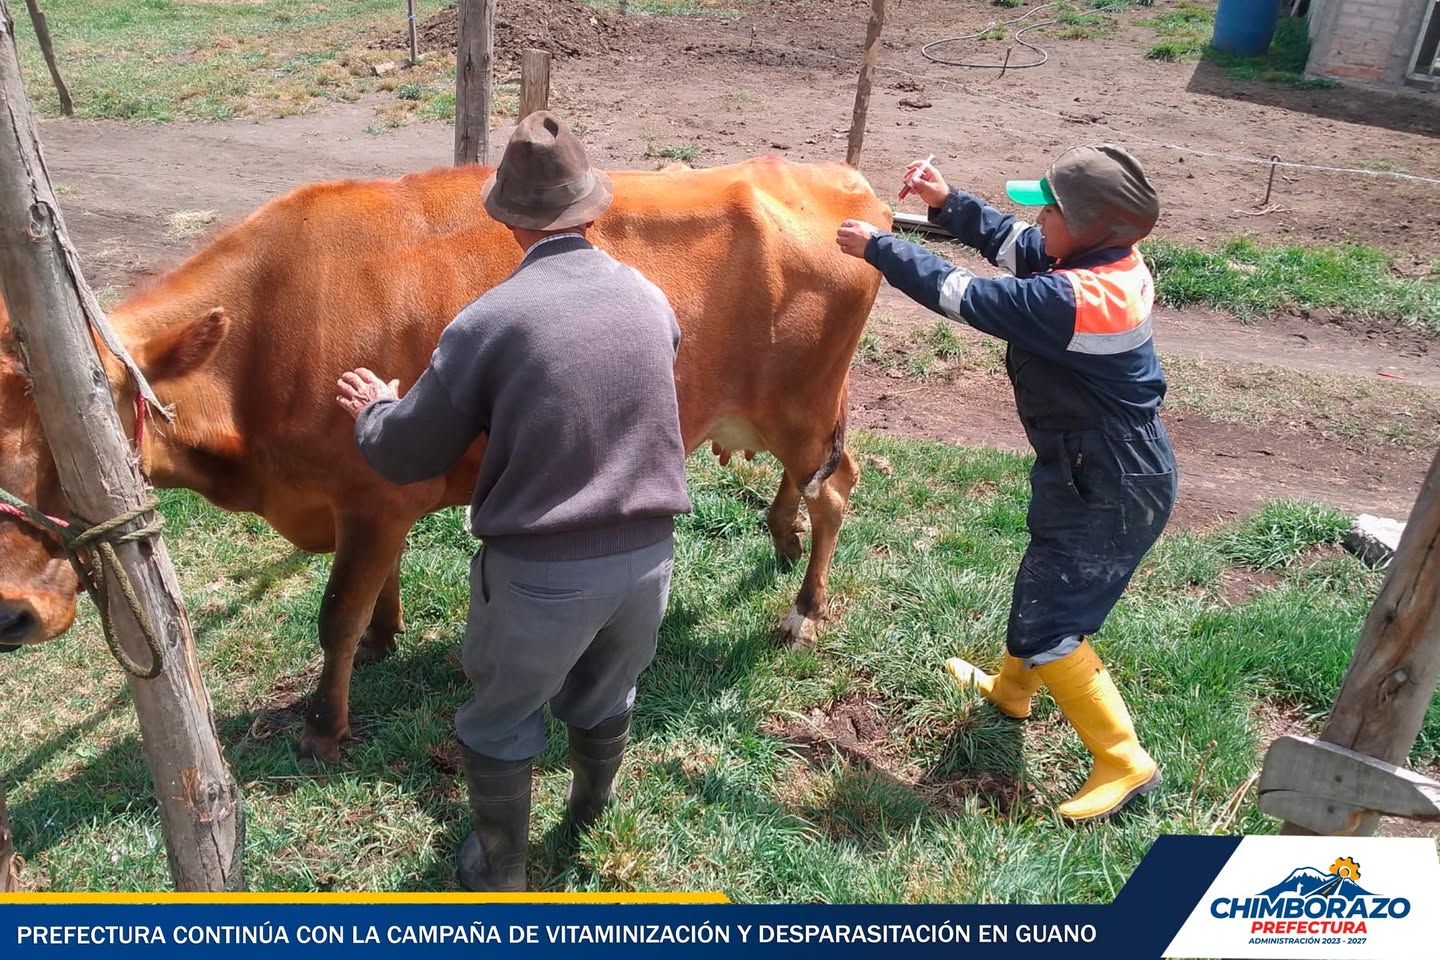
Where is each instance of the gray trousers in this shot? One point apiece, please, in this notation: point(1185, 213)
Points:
point(574, 634)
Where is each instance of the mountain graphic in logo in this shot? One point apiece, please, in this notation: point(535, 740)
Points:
point(1306, 882)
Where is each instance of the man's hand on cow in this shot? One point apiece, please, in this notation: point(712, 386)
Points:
point(854, 236)
point(926, 182)
point(361, 387)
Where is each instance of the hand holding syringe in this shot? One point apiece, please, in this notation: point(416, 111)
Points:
point(925, 181)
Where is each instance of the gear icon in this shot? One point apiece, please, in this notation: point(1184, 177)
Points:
point(1347, 868)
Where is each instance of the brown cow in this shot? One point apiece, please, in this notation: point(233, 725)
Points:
point(246, 338)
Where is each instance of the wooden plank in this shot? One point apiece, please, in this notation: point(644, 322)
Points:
point(1396, 665)
point(42, 33)
point(474, 80)
point(867, 76)
point(51, 311)
point(534, 82)
point(913, 221)
point(1328, 789)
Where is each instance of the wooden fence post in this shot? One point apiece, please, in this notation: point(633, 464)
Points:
point(414, 33)
point(1393, 674)
point(534, 82)
point(474, 80)
point(867, 74)
point(42, 33)
point(9, 880)
point(56, 320)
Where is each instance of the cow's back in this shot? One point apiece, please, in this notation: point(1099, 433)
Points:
point(771, 308)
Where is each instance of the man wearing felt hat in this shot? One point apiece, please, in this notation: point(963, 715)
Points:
point(568, 366)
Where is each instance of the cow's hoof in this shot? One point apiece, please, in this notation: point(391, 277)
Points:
point(797, 630)
point(319, 749)
point(374, 647)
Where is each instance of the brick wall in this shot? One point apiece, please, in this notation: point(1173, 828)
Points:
point(1366, 40)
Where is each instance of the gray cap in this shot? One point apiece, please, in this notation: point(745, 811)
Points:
point(1104, 196)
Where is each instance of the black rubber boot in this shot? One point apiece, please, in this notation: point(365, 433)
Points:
point(492, 859)
point(595, 760)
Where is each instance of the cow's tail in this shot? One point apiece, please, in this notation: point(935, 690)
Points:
point(837, 449)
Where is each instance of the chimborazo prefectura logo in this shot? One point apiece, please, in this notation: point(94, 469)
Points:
point(1310, 902)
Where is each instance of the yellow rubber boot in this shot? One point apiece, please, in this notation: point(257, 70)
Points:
point(1087, 696)
point(1010, 689)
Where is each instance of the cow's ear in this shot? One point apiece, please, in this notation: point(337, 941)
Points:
point(183, 349)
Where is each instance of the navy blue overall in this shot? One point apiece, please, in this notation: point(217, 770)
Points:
point(1088, 389)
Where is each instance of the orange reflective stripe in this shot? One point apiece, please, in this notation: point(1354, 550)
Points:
point(1115, 298)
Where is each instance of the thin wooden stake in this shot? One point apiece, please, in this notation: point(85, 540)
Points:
point(42, 33)
point(9, 878)
point(474, 81)
point(534, 82)
point(55, 317)
point(867, 75)
point(414, 34)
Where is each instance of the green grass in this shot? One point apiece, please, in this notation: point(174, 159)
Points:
point(1383, 165)
point(1284, 63)
point(1250, 279)
point(1073, 23)
point(958, 805)
point(678, 153)
point(1175, 51)
point(1281, 534)
point(1185, 33)
point(162, 60)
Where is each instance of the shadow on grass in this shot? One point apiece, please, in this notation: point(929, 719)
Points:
point(402, 711)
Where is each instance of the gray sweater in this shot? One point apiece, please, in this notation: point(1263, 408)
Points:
point(569, 366)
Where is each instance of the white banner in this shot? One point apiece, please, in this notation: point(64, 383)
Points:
point(1320, 898)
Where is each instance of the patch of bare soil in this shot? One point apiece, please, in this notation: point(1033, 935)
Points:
point(282, 711)
point(1280, 718)
point(1238, 586)
point(781, 76)
point(852, 727)
point(1226, 470)
point(566, 28)
point(856, 730)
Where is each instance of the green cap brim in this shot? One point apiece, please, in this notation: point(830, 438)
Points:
point(1031, 193)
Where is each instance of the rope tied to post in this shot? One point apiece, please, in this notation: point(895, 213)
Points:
point(92, 553)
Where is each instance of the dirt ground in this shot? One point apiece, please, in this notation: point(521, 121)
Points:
point(781, 79)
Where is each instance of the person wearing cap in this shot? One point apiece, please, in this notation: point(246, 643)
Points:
point(568, 367)
point(1075, 313)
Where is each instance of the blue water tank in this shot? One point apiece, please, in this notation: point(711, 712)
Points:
point(1245, 27)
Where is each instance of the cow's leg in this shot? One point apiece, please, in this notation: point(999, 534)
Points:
point(784, 520)
point(827, 512)
point(366, 554)
point(378, 641)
